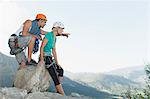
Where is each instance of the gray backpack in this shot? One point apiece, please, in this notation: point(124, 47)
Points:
point(13, 45)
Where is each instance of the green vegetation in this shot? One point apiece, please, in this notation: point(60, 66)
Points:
point(136, 94)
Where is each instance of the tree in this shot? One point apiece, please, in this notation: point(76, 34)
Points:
point(147, 89)
point(135, 94)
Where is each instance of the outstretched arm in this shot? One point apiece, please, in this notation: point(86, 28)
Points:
point(43, 32)
point(64, 34)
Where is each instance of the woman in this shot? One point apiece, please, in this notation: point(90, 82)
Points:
point(48, 52)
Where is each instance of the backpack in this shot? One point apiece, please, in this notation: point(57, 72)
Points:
point(13, 45)
point(36, 46)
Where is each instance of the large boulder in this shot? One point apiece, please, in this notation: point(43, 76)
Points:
point(33, 78)
point(12, 93)
point(48, 95)
point(16, 93)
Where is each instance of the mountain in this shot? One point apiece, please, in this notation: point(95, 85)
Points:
point(7, 61)
point(136, 74)
point(9, 67)
point(88, 84)
point(104, 82)
point(83, 89)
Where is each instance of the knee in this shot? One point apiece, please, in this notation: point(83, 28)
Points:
point(33, 38)
point(32, 41)
point(61, 72)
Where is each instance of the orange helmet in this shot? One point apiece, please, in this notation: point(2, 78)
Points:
point(41, 16)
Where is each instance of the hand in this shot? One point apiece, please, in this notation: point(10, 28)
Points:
point(59, 66)
point(66, 34)
point(39, 37)
point(21, 67)
point(41, 62)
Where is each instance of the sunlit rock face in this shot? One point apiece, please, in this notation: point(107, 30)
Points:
point(33, 79)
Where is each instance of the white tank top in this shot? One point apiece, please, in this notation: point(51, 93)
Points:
point(19, 31)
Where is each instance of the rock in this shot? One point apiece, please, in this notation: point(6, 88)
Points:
point(1, 95)
point(33, 78)
point(12, 93)
point(16, 93)
point(48, 95)
point(75, 95)
point(36, 95)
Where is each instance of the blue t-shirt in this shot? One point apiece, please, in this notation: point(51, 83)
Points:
point(50, 44)
point(35, 29)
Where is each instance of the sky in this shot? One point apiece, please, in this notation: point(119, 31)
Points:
point(105, 35)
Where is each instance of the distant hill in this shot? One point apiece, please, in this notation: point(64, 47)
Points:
point(104, 82)
point(8, 67)
point(135, 73)
point(73, 86)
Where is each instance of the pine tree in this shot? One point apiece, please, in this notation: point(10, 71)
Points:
point(147, 89)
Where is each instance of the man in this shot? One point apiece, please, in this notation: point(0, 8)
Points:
point(30, 32)
point(48, 52)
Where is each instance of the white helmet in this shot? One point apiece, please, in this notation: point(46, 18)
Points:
point(58, 24)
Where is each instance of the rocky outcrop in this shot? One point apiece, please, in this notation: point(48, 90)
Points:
point(12, 93)
point(33, 78)
point(16, 93)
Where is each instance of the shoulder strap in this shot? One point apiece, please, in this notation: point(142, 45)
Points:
point(19, 31)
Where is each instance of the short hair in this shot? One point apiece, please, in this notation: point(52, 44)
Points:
point(37, 19)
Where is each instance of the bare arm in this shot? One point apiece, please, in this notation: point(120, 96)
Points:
point(64, 34)
point(44, 42)
point(43, 32)
point(27, 25)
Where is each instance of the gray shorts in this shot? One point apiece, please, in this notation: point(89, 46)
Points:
point(22, 43)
